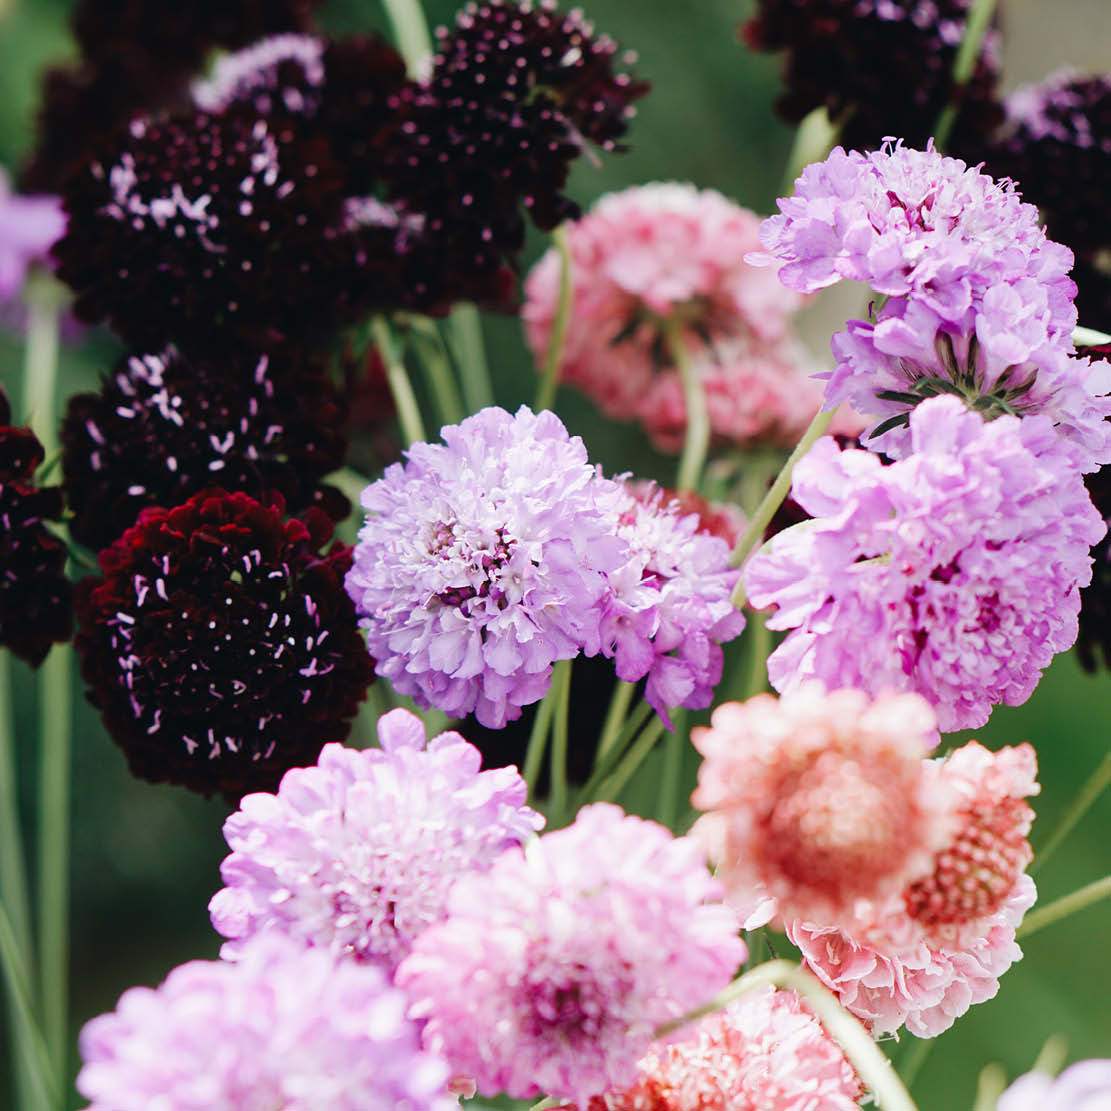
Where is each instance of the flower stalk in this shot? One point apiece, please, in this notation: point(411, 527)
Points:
point(549, 380)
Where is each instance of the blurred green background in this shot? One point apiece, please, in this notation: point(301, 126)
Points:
point(145, 858)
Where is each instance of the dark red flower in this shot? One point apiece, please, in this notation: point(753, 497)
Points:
point(36, 599)
point(164, 427)
point(219, 646)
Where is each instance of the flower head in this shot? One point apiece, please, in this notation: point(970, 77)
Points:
point(36, 599)
point(165, 426)
point(954, 572)
point(282, 1027)
point(358, 853)
point(483, 561)
point(1085, 1086)
point(219, 645)
point(820, 800)
point(29, 226)
point(554, 969)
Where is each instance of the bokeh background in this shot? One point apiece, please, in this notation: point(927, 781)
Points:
point(145, 858)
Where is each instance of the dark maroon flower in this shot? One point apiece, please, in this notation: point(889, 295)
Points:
point(192, 228)
point(219, 646)
point(36, 599)
point(880, 67)
point(164, 427)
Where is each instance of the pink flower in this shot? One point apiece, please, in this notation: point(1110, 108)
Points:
point(820, 800)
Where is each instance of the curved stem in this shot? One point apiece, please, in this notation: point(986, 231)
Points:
point(410, 32)
point(910, 1064)
point(538, 739)
point(611, 787)
point(1096, 784)
point(433, 357)
point(866, 1057)
point(605, 762)
point(615, 716)
point(408, 412)
point(470, 354)
point(1061, 908)
point(549, 380)
point(696, 442)
point(557, 810)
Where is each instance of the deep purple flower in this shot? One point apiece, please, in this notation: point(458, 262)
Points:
point(359, 853)
point(553, 970)
point(36, 599)
point(219, 646)
point(954, 572)
point(879, 67)
point(284, 1027)
point(164, 427)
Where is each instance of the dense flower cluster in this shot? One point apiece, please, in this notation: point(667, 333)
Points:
point(165, 426)
point(1085, 1086)
point(819, 800)
point(662, 256)
point(283, 1027)
point(358, 853)
point(554, 968)
point(219, 646)
point(954, 572)
point(879, 67)
point(764, 1052)
point(36, 599)
point(487, 558)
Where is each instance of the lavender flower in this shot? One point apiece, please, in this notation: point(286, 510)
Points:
point(483, 561)
point(1085, 1086)
point(284, 1027)
point(359, 853)
point(29, 226)
point(553, 970)
point(954, 572)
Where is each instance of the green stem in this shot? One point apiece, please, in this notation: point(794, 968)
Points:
point(549, 379)
point(759, 646)
point(41, 362)
point(814, 139)
point(56, 728)
point(557, 808)
point(538, 739)
point(605, 762)
point(914, 1058)
point(1087, 337)
point(776, 495)
point(870, 1062)
point(696, 442)
point(470, 354)
point(615, 716)
point(410, 31)
point(612, 787)
point(1061, 908)
point(1096, 784)
point(408, 412)
point(991, 1084)
point(671, 778)
point(434, 361)
point(32, 1048)
point(964, 64)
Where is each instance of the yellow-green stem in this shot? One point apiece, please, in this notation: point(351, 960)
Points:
point(538, 739)
point(549, 379)
point(557, 809)
point(434, 360)
point(671, 777)
point(465, 330)
point(696, 442)
point(1067, 905)
point(1096, 784)
point(914, 1058)
point(41, 361)
point(410, 32)
point(964, 65)
point(615, 716)
point(408, 412)
point(989, 1087)
point(614, 784)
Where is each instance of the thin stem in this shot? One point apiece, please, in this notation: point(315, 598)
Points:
point(538, 739)
point(615, 716)
point(864, 1055)
point(912, 1061)
point(776, 495)
point(964, 64)
point(434, 361)
point(1087, 337)
point(671, 778)
point(696, 442)
point(1096, 784)
point(470, 354)
point(759, 646)
point(41, 362)
point(989, 1087)
point(31, 1045)
point(1061, 908)
point(408, 412)
point(549, 379)
point(557, 808)
point(605, 762)
point(615, 784)
point(410, 32)
point(56, 728)
point(814, 139)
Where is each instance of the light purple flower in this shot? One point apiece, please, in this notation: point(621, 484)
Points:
point(287, 68)
point(554, 969)
point(1085, 1086)
point(283, 1027)
point(483, 561)
point(954, 572)
point(357, 854)
point(29, 226)
point(670, 610)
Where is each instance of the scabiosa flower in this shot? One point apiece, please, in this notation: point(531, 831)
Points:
point(880, 67)
point(29, 226)
point(36, 599)
point(820, 800)
point(670, 609)
point(954, 572)
point(483, 561)
point(165, 426)
point(764, 1052)
point(889, 975)
point(219, 646)
point(554, 968)
point(358, 853)
point(282, 1027)
point(220, 221)
point(1085, 1086)
point(721, 519)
